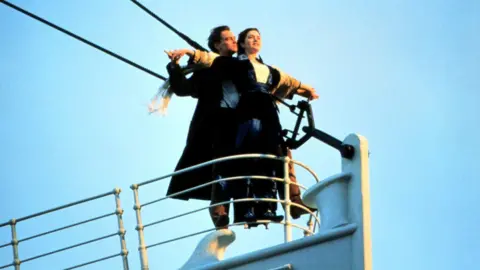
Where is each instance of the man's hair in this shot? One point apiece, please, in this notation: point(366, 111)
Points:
point(216, 36)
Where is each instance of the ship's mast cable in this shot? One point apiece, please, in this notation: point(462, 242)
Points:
point(190, 41)
point(83, 40)
point(197, 46)
point(119, 57)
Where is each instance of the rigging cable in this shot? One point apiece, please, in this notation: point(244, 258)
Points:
point(346, 150)
point(190, 41)
point(180, 34)
point(197, 46)
point(83, 40)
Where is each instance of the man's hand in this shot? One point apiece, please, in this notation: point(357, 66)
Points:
point(176, 55)
point(173, 58)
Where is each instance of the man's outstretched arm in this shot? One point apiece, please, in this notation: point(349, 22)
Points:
point(179, 83)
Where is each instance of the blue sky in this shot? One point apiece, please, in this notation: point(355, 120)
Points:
point(402, 73)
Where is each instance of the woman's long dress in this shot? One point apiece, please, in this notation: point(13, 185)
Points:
point(259, 131)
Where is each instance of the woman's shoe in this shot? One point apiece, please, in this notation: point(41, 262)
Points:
point(250, 216)
point(270, 215)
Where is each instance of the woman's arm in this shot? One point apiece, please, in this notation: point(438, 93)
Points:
point(288, 85)
point(307, 91)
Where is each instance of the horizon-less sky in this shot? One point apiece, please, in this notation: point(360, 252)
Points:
point(74, 121)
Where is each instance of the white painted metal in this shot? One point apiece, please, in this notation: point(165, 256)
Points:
point(330, 197)
point(141, 240)
point(210, 249)
point(288, 220)
point(343, 242)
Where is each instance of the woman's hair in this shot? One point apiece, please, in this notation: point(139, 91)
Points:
point(241, 39)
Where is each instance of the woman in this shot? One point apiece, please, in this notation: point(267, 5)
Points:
point(259, 128)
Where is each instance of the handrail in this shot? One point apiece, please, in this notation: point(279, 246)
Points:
point(307, 168)
point(70, 247)
point(230, 225)
point(66, 227)
point(227, 202)
point(257, 177)
point(310, 222)
point(142, 247)
point(121, 231)
point(60, 207)
point(95, 261)
point(286, 202)
point(204, 164)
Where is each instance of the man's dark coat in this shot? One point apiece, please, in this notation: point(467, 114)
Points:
point(198, 149)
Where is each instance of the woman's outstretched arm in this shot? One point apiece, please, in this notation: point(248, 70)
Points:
point(307, 91)
point(288, 85)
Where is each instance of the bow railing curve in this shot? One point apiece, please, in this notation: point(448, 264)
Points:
point(286, 202)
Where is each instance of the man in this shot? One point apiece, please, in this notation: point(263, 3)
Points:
point(212, 129)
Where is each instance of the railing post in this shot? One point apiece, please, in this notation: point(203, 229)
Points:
point(16, 259)
point(310, 225)
point(286, 179)
point(141, 241)
point(121, 228)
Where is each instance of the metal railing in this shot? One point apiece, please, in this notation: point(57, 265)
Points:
point(287, 223)
point(121, 233)
point(286, 202)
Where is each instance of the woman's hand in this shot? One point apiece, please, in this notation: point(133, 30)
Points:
point(313, 94)
point(307, 91)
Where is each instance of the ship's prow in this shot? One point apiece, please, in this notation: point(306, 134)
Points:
point(343, 240)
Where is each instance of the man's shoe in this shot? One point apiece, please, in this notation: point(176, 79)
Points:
point(222, 221)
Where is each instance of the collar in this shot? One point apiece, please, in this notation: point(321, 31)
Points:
point(242, 57)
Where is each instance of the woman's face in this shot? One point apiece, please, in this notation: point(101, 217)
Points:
point(252, 42)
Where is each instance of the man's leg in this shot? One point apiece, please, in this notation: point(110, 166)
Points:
point(219, 213)
point(240, 190)
point(223, 145)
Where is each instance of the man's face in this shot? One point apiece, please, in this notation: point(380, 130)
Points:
point(227, 44)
